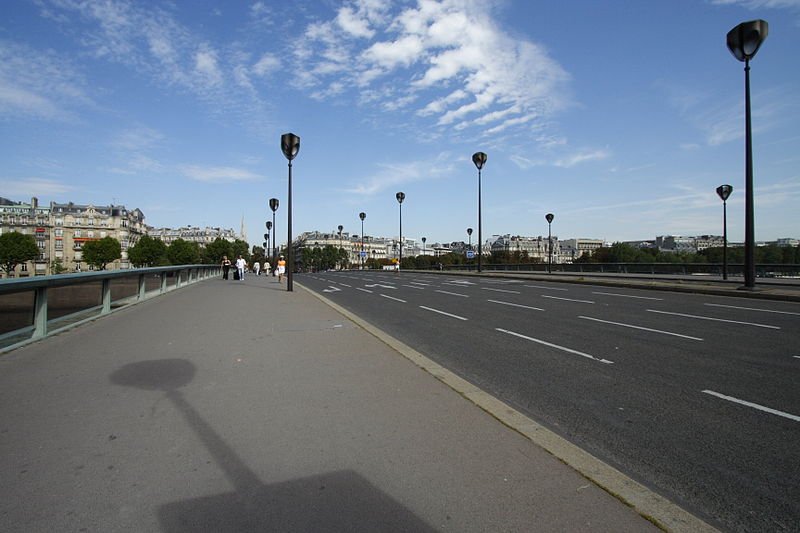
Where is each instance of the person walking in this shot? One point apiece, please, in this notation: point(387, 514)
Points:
point(241, 265)
point(226, 266)
point(267, 267)
point(257, 268)
point(281, 269)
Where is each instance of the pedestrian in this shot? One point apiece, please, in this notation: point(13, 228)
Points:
point(281, 269)
point(267, 267)
point(241, 265)
point(226, 266)
point(257, 268)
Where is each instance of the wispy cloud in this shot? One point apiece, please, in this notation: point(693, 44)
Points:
point(210, 174)
point(389, 175)
point(447, 58)
point(32, 186)
point(36, 84)
point(564, 160)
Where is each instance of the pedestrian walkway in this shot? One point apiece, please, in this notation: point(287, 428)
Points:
point(238, 406)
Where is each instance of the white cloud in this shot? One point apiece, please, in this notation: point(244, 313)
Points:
point(393, 174)
point(217, 174)
point(267, 64)
point(32, 186)
point(492, 81)
point(205, 64)
point(137, 138)
point(581, 157)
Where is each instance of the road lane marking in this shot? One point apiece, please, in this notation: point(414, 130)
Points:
point(414, 287)
point(381, 285)
point(499, 290)
point(419, 283)
point(545, 287)
point(364, 290)
point(641, 327)
point(331, 288)
point(714, 319)
point(628, 296)
point(754, 405)
point(515, 305)
point(567, 299)
point(442, 312)
point(453, 293)
point(556, 346)
point(392, 298)
point(345, 284)
point(754, 309)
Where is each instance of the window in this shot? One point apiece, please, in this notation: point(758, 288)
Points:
point(77, 233)
point(59, 221)
point(24, 267)
point(103, 234)
point(59, 245)
point(91, 222)
point(90, 234)
point(59, 232)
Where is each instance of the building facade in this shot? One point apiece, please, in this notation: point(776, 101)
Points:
point(61, 230)
point(202, 236)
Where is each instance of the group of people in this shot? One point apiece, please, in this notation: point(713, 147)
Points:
point(240, 266)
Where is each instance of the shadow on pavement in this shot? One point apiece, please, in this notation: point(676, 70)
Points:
point(334, 501)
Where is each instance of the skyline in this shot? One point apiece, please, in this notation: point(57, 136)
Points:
point(177, 109)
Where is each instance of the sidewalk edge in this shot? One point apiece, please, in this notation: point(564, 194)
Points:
point(644, 501)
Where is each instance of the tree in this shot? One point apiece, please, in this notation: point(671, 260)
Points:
point(16, 248)
point(182, 252)
point(101, 252)
point(148, 252)
point(57, 266)
point(215, 250)
point(239, 247)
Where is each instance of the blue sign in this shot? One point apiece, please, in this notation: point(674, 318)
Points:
point(470, 254)
point(363, 254)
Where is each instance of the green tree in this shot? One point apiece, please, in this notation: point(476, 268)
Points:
point(239, 247)
point(148, 252)
point(182, 252)
point(57, 266)
point(215, 250)
point(101, 252)
point(16, 248)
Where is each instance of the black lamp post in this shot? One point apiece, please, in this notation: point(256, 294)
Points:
point(273, 204)
point(290, 146)
point(338, 253)
point(400, 197)
point(724, 191)
point(424, 239)
point(362, 216)
point(549, 217)
point(479, 158)
point(744, 41)
point(469, 233)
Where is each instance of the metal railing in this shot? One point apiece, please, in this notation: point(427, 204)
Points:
point(34, 307)
point(684, 269)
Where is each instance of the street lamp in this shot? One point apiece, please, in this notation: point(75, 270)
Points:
point(724, 191)
point(290, 146)
point(400, 197)
point(744, 41)
point(479, 158)
point(424, 239)
point(362, 216)
point(338, 253)
point(549, 217)
point(273, 204)
point(469, 232)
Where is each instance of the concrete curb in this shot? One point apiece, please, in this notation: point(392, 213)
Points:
point(647, 503)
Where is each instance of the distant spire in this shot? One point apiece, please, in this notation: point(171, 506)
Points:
point(243, 231)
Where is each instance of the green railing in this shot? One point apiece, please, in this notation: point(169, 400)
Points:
point(35, 307)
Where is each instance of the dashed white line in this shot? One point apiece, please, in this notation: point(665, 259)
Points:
point(628, 296)
point(545, 287)
point(515, 305)
point(556, 346)
point(754, 405)
point(419, 283)
point(363, 290)
point(754, 309)
point(453, 293)
point(414, 287)
point(641, 327)
point(345, 284)
point(442, 312)
point(499, 290)
point(392, 298)
point(714, 319)
point(567, 299)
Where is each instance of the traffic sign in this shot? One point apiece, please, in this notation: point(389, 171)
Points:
point(363, 254)
point(470, 254)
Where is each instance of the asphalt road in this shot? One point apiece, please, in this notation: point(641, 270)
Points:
point(695, 396)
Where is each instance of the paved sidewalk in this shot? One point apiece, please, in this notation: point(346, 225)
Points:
point(236, 406)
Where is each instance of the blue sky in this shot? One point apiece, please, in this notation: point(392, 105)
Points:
point(619, 117)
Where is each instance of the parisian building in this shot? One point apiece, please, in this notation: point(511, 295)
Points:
point(61, 230)
point(202, 236)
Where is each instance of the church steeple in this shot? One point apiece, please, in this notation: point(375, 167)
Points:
point(243, 231)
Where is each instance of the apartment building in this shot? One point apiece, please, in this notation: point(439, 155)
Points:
point(202, 236)
point(61, 230)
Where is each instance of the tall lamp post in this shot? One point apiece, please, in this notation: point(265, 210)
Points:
point(549, 217)
point(339, 251)
point(290, 146)
point(744, 41)
point(424, 239)
point(273, 204)
point(479, 158)
point(469, 233)
point(400, 197)
point(724, 191)
point(362, 216)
